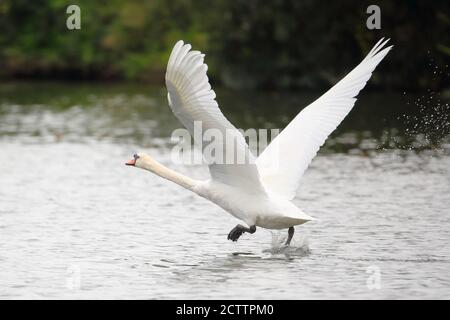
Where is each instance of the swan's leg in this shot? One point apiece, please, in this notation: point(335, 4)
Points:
point(238, 231)
point(290, 235)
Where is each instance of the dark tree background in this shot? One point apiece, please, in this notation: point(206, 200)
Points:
point(276, 44)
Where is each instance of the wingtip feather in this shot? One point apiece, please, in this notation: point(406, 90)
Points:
point(378, 47)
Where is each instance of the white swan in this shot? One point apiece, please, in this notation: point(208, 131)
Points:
point(252, 192)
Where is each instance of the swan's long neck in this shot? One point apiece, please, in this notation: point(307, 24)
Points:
point(169, 174)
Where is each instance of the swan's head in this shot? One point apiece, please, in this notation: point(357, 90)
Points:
point(139, 160)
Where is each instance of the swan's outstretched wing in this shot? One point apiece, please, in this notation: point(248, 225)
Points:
point(193, 102)
point(283, 162)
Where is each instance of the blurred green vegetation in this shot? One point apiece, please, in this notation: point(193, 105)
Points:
point(250, 43)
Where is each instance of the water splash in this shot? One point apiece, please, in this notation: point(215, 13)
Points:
point(431, 123)
point(299, 246)
point(427, 125)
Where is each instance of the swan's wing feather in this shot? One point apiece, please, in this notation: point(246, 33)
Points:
point(282, 164)
point(193, 102)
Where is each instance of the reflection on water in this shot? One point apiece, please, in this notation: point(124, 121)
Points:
point(138, 114)
point(76, 223)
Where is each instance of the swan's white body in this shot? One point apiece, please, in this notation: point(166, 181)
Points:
point(259, 192)
point(258, 209)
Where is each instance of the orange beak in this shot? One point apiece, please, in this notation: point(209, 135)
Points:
point(131, 162)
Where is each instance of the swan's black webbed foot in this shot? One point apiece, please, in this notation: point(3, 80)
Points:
point(290, 235)
point(238, 231)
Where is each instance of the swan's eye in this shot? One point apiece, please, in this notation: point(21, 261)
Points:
point(135, 156)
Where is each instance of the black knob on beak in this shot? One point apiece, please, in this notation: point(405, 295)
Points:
point(135, 156)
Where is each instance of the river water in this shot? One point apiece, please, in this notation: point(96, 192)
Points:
point(75, 222)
